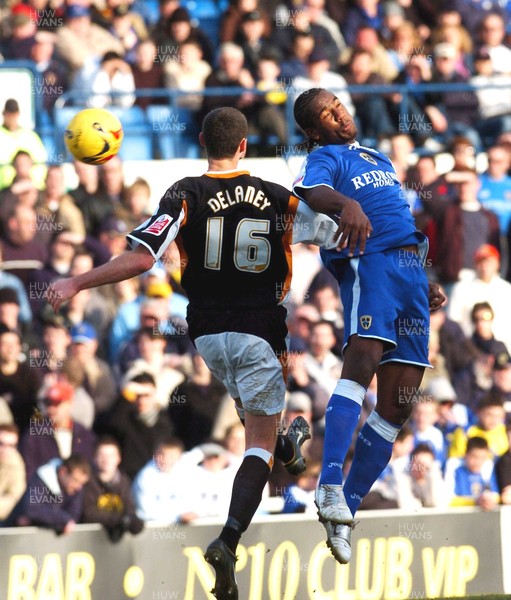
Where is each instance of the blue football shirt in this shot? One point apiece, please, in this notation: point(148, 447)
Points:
point(368, 177)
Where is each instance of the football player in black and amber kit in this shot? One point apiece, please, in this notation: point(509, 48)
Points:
point(234, 233)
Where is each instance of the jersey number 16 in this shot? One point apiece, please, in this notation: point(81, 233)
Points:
point(251, 251)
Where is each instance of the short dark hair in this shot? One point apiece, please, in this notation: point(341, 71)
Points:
point(481, 306)
point(110, 55)
point(5, 330)
point(223, 130)
point(77, 462)
point(359, 52)
point(144, 377)
point(169, 442)
point(323, 285)
point(423, 448)
point(303, 111)
point(491, 398)
point(108, 440)
point(21, 153)
point(476, 443)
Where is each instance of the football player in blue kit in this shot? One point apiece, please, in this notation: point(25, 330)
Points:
point(386, 298)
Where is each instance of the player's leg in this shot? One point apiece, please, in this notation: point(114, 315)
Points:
point(361, 359)
point(256, 378)
point(373, 448)
point(288, 447)
point(366, 332)
point(247, 490)
point(397, 383)
point(399, 375)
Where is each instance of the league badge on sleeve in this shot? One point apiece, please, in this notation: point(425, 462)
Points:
point(159, 226)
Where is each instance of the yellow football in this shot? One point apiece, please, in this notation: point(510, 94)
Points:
point(94, 135)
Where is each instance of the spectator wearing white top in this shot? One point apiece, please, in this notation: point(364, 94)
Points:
point(188, 74)
point(113, 84)
point(209, 483)
point(320, 362)
point(492, 33)
point(424, 418)
point(421, 484)
point(494, 103)
point(487, 286)
point(159, 487)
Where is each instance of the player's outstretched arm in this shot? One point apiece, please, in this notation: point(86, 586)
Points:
point(127, 265)
point(354, 226)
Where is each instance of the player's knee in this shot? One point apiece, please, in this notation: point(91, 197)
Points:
point(361, 359)
point(396, 413)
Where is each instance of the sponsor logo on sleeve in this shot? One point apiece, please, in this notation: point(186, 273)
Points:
point(158, 226)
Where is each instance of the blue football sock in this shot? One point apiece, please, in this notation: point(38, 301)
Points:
point(372, 454)
point(341, 420)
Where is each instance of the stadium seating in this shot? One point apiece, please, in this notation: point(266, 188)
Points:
point(46, 132)
point(137, 142)
point(174, 132)
point(208, 14)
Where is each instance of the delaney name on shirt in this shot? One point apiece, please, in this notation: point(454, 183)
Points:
point(248, 194)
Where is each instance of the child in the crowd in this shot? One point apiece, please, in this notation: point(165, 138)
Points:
point(472, 483)
point(107, 495)
point(422, 483)
point(451, 413)
point(424, 419)
point(490, 426)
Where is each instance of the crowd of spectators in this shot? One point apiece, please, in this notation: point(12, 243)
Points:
point(107, 413)
point(104, 52)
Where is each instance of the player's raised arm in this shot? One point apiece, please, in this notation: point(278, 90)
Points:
point(354, 226)
point(129, 264)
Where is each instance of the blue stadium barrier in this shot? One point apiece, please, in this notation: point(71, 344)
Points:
point(180, 139)
point(185, 128)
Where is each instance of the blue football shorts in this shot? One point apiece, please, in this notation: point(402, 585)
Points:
point(385, 296)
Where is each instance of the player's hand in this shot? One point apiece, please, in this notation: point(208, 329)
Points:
point(354, 228)
point(60, 291)
point(436, 298)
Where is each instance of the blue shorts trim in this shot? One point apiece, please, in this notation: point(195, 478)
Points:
point(406, 362)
